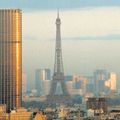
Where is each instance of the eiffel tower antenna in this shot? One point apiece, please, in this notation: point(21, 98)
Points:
point(58, 13)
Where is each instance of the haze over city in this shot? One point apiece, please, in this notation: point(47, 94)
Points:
point(59, 60)
point(90, 34)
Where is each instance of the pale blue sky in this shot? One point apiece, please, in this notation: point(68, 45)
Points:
point(54, 4)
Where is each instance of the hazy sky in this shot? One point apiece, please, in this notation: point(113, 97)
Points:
point(90, 34)
point(53, 4)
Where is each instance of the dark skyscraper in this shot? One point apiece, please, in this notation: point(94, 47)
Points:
point(10, 57)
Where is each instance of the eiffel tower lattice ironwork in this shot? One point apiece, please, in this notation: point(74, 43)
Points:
point(58, 76)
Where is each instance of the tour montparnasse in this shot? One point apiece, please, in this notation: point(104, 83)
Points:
point(58, 75)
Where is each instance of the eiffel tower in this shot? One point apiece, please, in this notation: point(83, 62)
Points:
point(58, 76)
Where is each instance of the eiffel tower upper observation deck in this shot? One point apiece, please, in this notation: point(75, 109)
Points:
point(58, 91)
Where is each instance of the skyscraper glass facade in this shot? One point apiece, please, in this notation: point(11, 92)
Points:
point(10, 57)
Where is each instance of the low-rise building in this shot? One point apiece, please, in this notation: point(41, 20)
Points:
point(20, 114)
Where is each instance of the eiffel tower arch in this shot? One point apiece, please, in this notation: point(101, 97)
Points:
point(58, 76)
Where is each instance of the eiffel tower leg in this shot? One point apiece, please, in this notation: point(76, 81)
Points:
point(53, 88)
point(64, 88)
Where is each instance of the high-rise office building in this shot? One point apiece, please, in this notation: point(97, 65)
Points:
point(46, 87)
point(45, 74)
point(113, 78)
point(10, 58)
point(100, 76)
point(41, 75)
point(80, 82)
point(111, 83)
point(90, 84)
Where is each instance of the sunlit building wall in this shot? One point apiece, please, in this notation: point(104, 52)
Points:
point(46, 86)
point(112, 81)
point(10, 57)
point(108, 83)
point(113, 78)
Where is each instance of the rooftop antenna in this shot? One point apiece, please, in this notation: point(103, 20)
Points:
point(58, 13)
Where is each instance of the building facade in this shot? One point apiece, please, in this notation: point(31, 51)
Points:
point(21, 114)
point(111, 83)
point(10, 57)
point(100, 76)
point(99, 105)
point(79, 83)
point(42, 76)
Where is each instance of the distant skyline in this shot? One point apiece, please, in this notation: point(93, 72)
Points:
point(90, 34)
